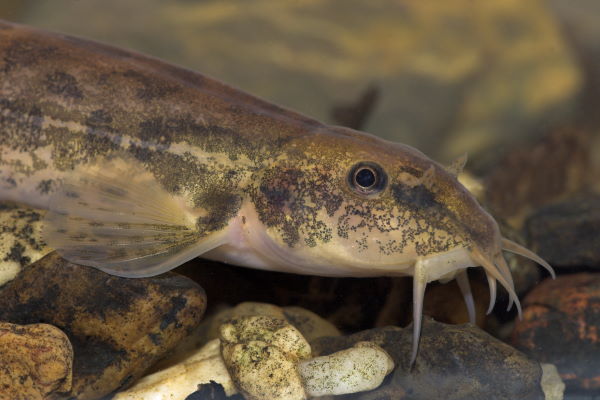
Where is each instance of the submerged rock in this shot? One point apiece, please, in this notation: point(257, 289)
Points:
point(357, 369)
point(118, 327)
point(261, 354)
point(454, 362)
point(560, 326)
point(552, 384)
point(567, 234)
point(35, 361)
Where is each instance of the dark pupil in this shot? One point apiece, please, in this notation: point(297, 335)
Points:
point(365, 178)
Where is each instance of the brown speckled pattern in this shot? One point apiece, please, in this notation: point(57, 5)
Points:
point(64, 102)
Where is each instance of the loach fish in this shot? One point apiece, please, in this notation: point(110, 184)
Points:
point(144, 165)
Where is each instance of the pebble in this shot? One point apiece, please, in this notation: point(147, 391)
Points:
point(560, 326)
point(35, 361)
point(261, 354)
point(357, 369)
point(118, 327)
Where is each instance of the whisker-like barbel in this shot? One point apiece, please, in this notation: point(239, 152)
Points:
point(513, 247)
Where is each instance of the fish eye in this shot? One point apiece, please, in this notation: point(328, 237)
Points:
point(367, 178)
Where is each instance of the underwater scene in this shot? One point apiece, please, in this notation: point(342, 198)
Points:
point(297, 199)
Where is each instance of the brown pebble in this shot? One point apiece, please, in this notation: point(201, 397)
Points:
point(35, 361)
point(560, 326)
point(118, 327)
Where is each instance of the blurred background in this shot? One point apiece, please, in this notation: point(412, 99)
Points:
point(450, 76)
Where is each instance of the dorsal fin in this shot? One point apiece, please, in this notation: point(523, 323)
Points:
point(457, 166)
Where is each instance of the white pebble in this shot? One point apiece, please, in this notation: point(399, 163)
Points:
point(360, 368)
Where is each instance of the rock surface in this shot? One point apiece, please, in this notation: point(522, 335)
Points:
point(552, 384)
point(567, 234)
point(357, 369)
point(118, 327)
point(35, 361)
point(20, 239)
point(261, 354)
point(560, 326)
point(454, 362)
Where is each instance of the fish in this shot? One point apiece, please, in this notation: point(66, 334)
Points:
point(144, 165)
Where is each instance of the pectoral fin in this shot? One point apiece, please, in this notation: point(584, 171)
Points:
point(116, 217)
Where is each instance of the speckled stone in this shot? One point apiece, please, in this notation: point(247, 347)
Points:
point(261, 354)
point(36, 361)
point(560, 326)
point(118, 327)
point(454, 362)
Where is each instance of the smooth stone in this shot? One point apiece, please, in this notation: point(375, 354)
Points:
point(307, 322)
point(357, 369)
point(20, 239)
point(454, 362)
point(118, 327)
point(35, 361)
point(567, 234)
point(560, 326)
point(261, 354)
point(552, 385)
point(180, 381)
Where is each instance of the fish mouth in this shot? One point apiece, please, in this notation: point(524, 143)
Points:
point(454, 264)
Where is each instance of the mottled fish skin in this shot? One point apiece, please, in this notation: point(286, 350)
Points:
point(66, 101)
point(264, 187)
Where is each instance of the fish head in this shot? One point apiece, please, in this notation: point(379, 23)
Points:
point(348, 203)
point(340, 202)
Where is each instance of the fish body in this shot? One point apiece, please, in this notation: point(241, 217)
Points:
point(145, 165)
